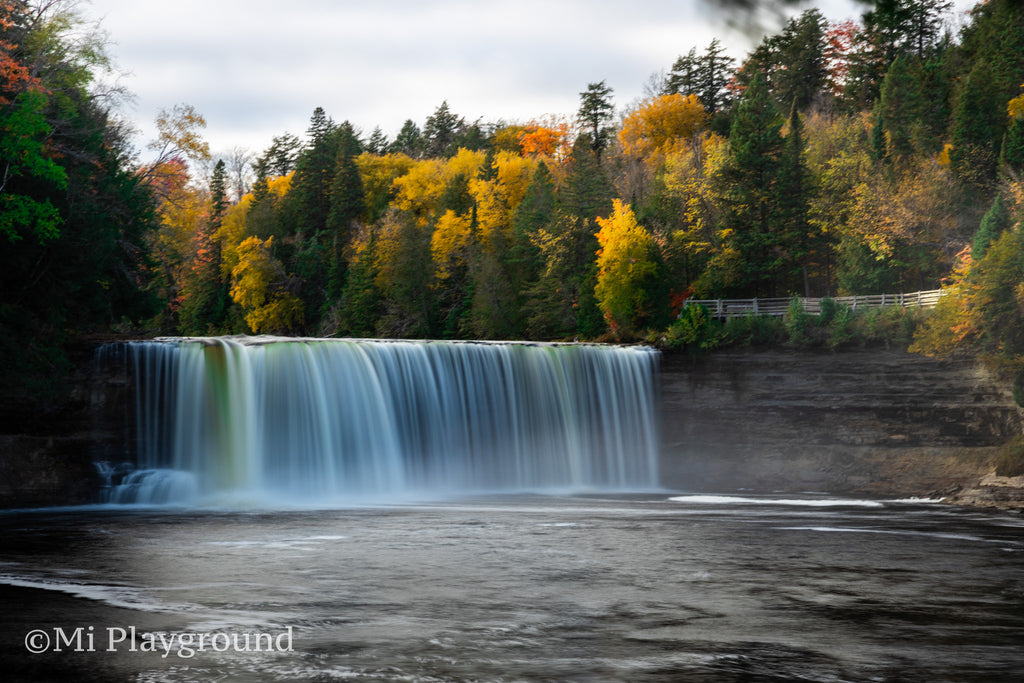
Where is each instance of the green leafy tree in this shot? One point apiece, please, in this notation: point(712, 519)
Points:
point(29, 174)
point(75, 212)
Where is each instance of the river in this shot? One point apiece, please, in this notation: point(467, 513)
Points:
point(652, 587)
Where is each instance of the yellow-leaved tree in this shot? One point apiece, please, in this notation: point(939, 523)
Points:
point(628, 286)
point(258, 285)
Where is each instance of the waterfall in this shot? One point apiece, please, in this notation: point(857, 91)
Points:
point(346, 419)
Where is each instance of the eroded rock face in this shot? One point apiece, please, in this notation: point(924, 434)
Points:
point(48, 449)
point(864, 422)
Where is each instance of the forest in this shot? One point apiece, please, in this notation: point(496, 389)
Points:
point(869, 156)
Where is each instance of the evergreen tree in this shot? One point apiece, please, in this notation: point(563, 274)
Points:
point(347, 204)
point(792, 62)
point(892, 28)
point(794, 191)
point(1011, 154)
point(801, 50)
point(439, 133)
point(595, 111)
point(279, 159)
point(995, 36)
point(205, 292)
point(409, 141)
point(361, 301)
point(378, 143)
point(346, 192)
point(715, 71)
point(901, 107)
point(683, 78)
point(585, 195)
point(314, 172)
point(978, 122)
point(523, 260)
point(750, 188)
point(995, 221)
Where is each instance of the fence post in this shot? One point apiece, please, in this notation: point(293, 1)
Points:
point(755, 305)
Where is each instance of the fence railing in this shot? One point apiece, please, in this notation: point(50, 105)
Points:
point(733, 308)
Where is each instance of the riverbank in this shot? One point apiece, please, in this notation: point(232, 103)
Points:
point(876, 423)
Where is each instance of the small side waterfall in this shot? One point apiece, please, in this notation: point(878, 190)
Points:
point(340, 419)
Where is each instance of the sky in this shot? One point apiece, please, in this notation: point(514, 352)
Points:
point(258, 68)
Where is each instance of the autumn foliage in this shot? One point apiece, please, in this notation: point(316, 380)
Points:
point(834, 158)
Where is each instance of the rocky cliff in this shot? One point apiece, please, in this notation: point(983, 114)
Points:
point(880, 423)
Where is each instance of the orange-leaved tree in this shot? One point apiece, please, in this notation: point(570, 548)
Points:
point(658, 124)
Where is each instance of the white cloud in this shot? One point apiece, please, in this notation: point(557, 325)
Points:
point(258, 68)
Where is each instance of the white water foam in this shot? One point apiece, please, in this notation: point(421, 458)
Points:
point(798, 502)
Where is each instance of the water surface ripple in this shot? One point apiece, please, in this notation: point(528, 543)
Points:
point(528, 588)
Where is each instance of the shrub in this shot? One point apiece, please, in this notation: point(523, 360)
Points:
point(838, 324)
point(799, 326)
point(754, 330)
point(1011, 459)
point(695, 331)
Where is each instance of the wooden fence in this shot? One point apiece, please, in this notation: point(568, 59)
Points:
point(733, 308)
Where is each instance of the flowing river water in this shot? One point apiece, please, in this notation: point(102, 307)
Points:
point(652, 587)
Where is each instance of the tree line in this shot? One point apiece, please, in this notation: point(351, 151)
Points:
point(882, 155)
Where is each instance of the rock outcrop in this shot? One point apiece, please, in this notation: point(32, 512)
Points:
point(880, 423)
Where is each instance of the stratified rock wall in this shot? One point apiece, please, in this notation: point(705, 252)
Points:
point(864, 422)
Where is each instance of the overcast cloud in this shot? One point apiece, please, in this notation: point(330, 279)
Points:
point(258, 68)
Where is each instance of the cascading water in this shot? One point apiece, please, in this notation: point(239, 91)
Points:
point(341, 419)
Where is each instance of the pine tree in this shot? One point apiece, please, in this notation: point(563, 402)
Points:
point(409, 140)
point(978, 123)
point(794, 190)
point(749, 187)
point(439, 132)
point(204, 292)
point(585, 195)
point(892, 28)
point(901, 107)
point(595, 111)
point(996, 36)
point(347, 204)
point(715, 71)
point(683, 77)
point(523, 260)
point(801, 52)
point(346, 191)
point(378, 143)
point(995, 221)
